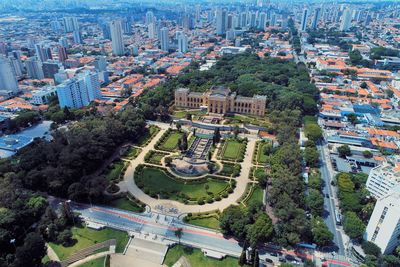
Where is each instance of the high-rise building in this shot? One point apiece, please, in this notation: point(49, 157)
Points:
point(150, 17)
point(79, 91)
point(221, 21)
point(117, 38)
point(77, 37)
point(382, 179)
point(50, 68)
point(198, 12)
point(100, 64)
point(243, 19)
point(151, 31)
point(70, 24)
point(164, 39)
point(384, 225)
point(253, 20)
point(43, 53)
point(63, 42)
point(316, 18)
point(62, 53)
point(55, 26)
point(8, 81)
point(182, 42)
point(262, 21)
point(105, 29)
point(346, 21)
point(127, 27)
point(304, 19)
point(34, 68)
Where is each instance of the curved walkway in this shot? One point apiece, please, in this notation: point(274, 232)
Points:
point(242, 180)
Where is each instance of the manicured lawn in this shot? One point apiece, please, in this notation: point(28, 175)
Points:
point(155, 181)
point(209, 222)
point(45, 259)
point(256, 195)
point(171, 143)
point(99, 262)
point(124, 203)
point(181, 114)
point(262, 158)
point(153, 130)
point(232, 149)
point(132, 152)
point(86, 237)
point(196, 258)
point(115, 171)
point(230, 169)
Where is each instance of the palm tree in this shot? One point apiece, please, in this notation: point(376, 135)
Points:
point(179, 233)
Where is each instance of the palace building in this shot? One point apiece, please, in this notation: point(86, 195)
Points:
point(220, 100)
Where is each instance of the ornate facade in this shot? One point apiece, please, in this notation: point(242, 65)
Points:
point(221, 100)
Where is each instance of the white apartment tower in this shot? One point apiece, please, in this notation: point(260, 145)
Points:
point(117, 38)
point(8, 81)
point(384, 225)
point(150, 17)
point(221, 21)
point(164, 39)
point(304, 18)
point(346, 21)
point(382, 179)
point(79, 91)
point(182, 42)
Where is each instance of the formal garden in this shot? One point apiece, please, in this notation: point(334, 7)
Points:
point(263, 149)
point(206, 219)
point(154, 157)
point(157, 183)
point(125, 201)
point(131, 153)
point(115, 170)
point(169, 140)
point(230, 169)
point(148, 136)
point(233, 149)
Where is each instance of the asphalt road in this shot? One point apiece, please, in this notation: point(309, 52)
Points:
point(329, 205)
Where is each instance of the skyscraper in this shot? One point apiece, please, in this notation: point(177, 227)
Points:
point(79, 91)
point(164, 39)
point(221, 21)
point(62, 53)
point(262, 21)
point(182, 42)
point(304, 18)
point(384, 225)
point(151, 31)
point(77, 37)
point(43, 53)
point(34, 68)
point(317, 16)
point(116, 38)
point(8, 81)
point(70, 24)
point(346, 21)
point(149, 17)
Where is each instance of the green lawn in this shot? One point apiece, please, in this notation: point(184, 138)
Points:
point(99, 262)
point(257, 194)
point(261, 157)
point(132, 152)
point(156, 180)
point(171, 142)
point(181, 114)
point(196, 258)
point(153, 130)
point(115, 170)
point(45, 259)
point(124, 203)
point(209, 222)
point(86, 237)
point(232, 149)
point(230, 169)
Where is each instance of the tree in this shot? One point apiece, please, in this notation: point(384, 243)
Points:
point(183, 143)
point(242, 258)
point(168, 161)
point(209, 156)
point(178, 127)
point(178, 233)
point(233, 221)
point(344, 151)
point(311, 156)
point(315, 201)
point(371, 249)
point(363, 85)
point(261, 230)
point(236, 131)
point(345, 183)
point(353, 226)
point(352, 118)
point(216, 136)
point(31, 252)
point(367, 154)
point(322, 236)
point(65, 238)
point(256, 260)
point(313, 131)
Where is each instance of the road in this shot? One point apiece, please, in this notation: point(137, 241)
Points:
point(329, 203)
point(163, 228)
